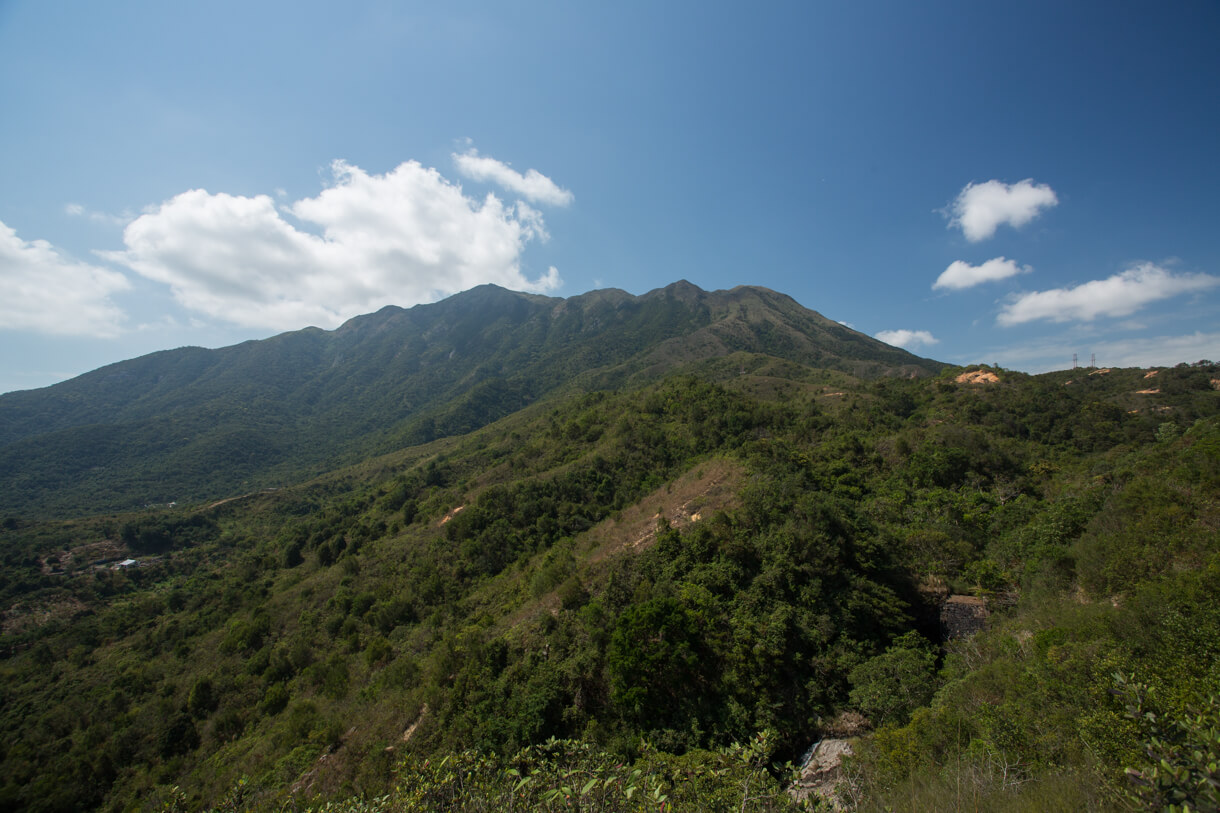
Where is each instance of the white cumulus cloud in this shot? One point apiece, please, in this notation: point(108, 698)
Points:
point(533, 185)
point(961, 274)
point(907, 339)
point(1119, 295)
point(981, 208)
point(401, 238)
point(43, 291)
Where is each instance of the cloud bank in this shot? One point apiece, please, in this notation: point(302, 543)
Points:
point(1054, 352)
point(43, 291)
point(401, 238)
point(1162, 351)
point(962, 275)
point(907, 339)
point(1119, 295)
point(981, 208)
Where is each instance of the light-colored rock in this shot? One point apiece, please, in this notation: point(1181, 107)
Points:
point(822, 773)
point(978, 377)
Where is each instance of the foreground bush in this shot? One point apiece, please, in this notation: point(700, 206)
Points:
point(567, 775)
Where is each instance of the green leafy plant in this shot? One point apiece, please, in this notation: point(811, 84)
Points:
point(1180, 770)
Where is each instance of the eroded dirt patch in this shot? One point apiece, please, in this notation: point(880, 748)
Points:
point(29, 615)
point(978, 377)
point(705, 489)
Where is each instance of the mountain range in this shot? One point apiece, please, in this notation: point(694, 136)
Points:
point(191, 424)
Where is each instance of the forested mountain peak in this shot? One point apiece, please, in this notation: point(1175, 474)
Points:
point(194, 423)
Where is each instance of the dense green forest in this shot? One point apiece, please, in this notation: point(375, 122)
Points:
point(650, 596)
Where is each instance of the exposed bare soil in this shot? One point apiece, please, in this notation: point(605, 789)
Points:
point(24, 616)
point(978, 377)
point(696, 495)
point(459, 509)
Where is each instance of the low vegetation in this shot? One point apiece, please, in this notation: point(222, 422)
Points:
point(479, 623)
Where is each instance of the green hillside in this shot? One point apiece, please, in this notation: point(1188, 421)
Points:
point(652, 583)
point(193, 424)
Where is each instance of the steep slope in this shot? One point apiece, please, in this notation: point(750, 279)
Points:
point(192, 423)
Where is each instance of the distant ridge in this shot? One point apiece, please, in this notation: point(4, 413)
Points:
point(197, 424)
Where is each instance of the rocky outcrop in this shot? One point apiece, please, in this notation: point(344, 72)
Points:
point(962, 615)
point(822, 774)
point(978, 377)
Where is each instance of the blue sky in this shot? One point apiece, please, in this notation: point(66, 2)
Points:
point(979, 182)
